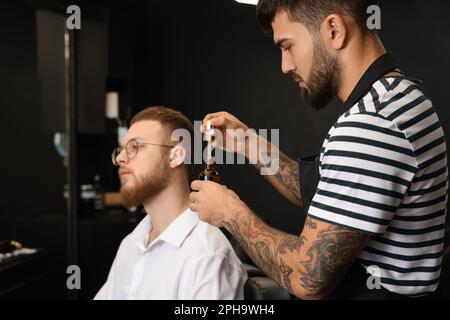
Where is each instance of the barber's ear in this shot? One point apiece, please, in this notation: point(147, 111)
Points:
point(334, 32)
point(177, 156)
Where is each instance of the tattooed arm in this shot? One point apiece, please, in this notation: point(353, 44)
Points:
point(286, 179)
point(310, 265)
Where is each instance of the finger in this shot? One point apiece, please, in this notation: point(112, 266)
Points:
point(194, 206)
point(197, 185)
point(210, 116)
point(194, 196)
point(218, 119)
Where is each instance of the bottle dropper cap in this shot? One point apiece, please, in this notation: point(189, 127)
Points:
point(209, 132)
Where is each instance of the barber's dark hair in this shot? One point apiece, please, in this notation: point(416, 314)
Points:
point(311, 13)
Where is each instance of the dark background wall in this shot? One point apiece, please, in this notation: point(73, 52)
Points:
point(195, 56)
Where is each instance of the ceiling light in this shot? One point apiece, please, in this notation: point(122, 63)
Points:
point(254, 2)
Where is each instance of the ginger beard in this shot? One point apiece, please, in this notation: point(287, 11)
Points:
point(323, 80)
point(136, 190)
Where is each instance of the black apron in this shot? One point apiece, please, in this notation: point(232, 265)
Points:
point(354, 283)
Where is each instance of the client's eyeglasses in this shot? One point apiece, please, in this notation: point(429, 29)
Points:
point(132, 148)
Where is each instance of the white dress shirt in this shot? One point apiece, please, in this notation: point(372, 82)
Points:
point(189, 260)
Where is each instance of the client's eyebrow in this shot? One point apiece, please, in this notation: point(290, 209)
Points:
point(122, 145)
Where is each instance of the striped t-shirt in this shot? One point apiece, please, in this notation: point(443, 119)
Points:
point(383, 170)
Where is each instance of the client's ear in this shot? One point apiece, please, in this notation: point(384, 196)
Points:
point(177, 156)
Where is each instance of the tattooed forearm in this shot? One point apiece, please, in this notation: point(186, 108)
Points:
point(286, 271)
point(328, 258)
point(310, 224)
point(288, 176)
point(290, 244)
point(286, 180)
point(265, 247)
point(307, 267)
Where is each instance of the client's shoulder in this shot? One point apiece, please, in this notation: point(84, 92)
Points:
point(210, 240)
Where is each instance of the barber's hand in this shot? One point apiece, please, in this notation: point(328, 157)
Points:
point(222, 121)
point(214, 203)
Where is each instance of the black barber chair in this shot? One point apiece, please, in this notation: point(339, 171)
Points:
point(263, 288)
point(260, 287)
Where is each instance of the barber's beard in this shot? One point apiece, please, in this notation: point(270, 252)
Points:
point(144, 188)
point(324, 77)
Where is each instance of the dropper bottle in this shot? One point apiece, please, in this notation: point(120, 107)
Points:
point(209, 173)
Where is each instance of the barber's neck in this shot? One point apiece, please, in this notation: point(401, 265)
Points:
point(355, 61)
point(167, 205)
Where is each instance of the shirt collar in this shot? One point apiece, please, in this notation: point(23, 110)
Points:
point(377, 69)
point(174, 234)
point(180, 228)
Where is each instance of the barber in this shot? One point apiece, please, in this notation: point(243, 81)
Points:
point(377, 198)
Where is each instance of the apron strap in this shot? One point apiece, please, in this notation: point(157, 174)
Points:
point(309, 178)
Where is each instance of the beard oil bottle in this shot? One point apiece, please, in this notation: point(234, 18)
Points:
point(209, 173)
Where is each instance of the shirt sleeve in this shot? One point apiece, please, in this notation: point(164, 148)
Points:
point(213, 277)
point(366, 168)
